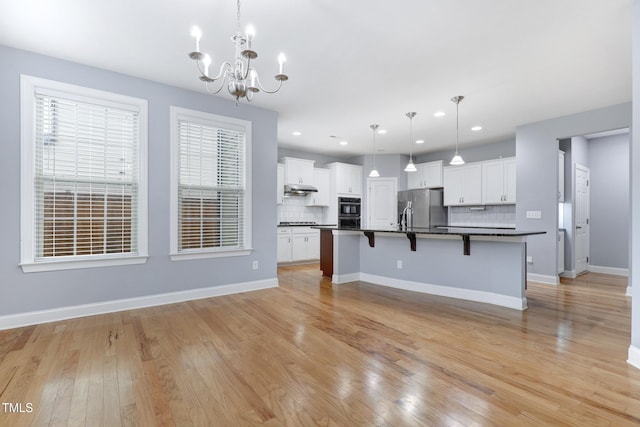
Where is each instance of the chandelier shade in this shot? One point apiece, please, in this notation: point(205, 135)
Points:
point(239, 76)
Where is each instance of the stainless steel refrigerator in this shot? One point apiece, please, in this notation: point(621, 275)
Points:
point(426, 207)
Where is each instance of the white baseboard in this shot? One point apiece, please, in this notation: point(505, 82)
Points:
point(569, 274)
point(63, 313)
point(446, 291)
point(345, 278)
point(609, 270)
point(628, 291)
point(541, 278)
point(634, 356)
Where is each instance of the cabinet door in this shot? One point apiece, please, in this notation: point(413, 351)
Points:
point(471, 184)
point(321, 182)
point(280, 184)
point(493, 182)
point(355, 178)
point(313, 246)
point(561, 176)
point(284, 247)
point(298, 171)
point(415, 179)
point(298, 247)
point(452, 180)
point(510, 180)
point(432, 174)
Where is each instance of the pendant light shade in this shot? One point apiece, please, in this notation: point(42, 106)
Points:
point(410, 166)
point(457, 158)
point(374, 172)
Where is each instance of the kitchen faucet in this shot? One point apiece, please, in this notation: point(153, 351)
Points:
point(406, 219)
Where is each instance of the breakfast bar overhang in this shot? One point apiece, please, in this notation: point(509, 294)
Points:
point(476, 264)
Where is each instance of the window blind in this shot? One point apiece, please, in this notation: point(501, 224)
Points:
point(211, 186)
point(86, 177)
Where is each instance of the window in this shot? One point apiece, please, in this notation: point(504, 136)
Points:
point(83, 184)
point(210, 195)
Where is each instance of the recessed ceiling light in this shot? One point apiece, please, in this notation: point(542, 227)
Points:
point(343, 142)
point(439, 114)
point(296, 133)
point(382, 131)
point(476, 128)
point(420, 141)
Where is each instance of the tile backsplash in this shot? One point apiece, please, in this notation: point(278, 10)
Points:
point(294, 209)
point(483, 216)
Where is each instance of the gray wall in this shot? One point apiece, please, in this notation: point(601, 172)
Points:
point(537, 175)
point(319, 158)
point(609, 216)
point(474, 153)
point(22, 292)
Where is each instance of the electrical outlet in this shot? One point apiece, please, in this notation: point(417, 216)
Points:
point(254, 265)
point(529, 260)
point(399, 263)
point(534, 214)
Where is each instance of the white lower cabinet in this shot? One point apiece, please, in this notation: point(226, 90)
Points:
point(284, 244)
point(298, 244)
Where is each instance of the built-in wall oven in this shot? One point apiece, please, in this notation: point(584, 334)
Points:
point(349, 212)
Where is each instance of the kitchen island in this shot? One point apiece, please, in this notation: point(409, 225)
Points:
point(479, 264)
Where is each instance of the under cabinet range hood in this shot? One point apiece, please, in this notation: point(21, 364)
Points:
point(299, 189)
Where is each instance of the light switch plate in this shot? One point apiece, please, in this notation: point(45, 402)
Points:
point(534, 214)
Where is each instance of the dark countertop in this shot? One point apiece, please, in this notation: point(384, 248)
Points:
point(306, 225)
point(445, 231)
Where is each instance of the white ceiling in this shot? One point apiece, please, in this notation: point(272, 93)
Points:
point(357, 62)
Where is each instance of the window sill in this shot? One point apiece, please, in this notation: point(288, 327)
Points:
point(34, 267)
point(184, 256)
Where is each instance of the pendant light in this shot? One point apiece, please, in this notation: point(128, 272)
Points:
point(374, 172)
point(457, 159)
point(410, 166)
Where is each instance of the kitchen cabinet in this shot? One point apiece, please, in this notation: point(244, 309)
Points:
point(427, 175)
point(321, 182)
point(298, 171)
point(306, 245)
point(462, 185)
point(560, 176)
point(298, 244)
point(499, 181)
point(284, 244)
point(280, 184)
point(346, 179)
point(560, 251)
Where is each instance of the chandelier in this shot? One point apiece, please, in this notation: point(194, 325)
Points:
point(241, 77)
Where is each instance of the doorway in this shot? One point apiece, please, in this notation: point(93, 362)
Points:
point(581, 218)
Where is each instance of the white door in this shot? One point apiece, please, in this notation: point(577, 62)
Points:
point(382, 203)
point(581, 219)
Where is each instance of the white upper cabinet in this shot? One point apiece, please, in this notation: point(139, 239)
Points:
point(280, 184)
point(298, 171)
point(560, 176)
point(347, 178)
point(499, 181)
point(427, 175)
point(462, 185)
point(321, 182)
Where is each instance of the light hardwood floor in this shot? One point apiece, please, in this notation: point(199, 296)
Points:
point(311, 354)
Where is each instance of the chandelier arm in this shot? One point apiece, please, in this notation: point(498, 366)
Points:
point(265, 90)
point(247, 69)
point(215, 92)
point(223, 68)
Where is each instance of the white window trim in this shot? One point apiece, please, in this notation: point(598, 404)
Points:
point(28, 85)
point(207, 118)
